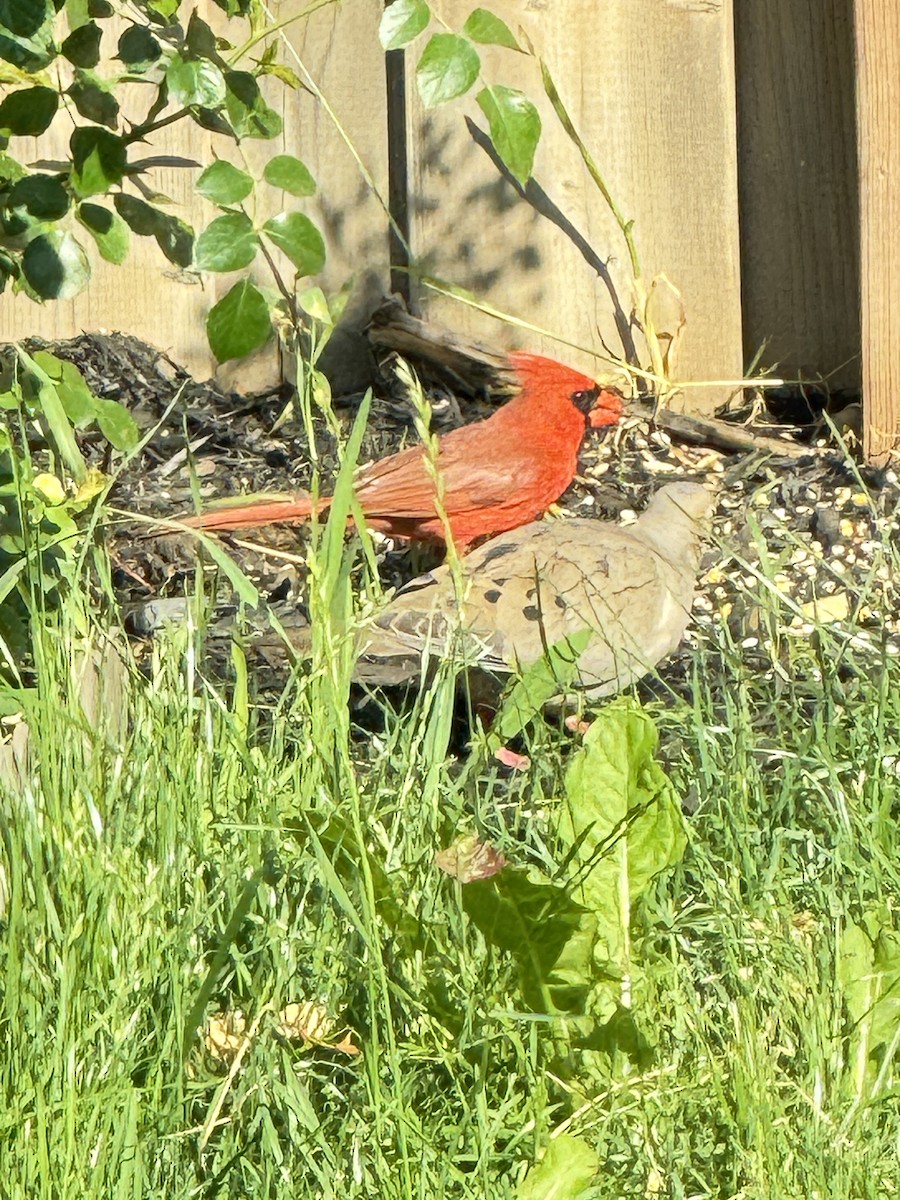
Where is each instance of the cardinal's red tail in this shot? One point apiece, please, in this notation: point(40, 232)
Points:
point(258, 512)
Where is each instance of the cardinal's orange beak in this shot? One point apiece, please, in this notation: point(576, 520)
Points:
point(609, 408)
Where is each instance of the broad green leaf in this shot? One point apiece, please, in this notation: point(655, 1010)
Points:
point(296, 236)
point(23, 18)
point(315, 305)
point(11, 171)
point(176, 240)
point(31, 56)
point(565, 1172)
point(55, 415)
point(100, 10)
point(886, 1014)
point(29, 111)
point(550, 676)
point(107, 229)
point(77, 399)
point(94, 100)
point(195, 82)
point(239, 323)
point(174, 237)
point(76, 13)
point(532, 921)
point(200, 39)
point(227, 244)
point(82, 46)
point(43, 196)
point(484, 27)
point(515, 127)
point(99, 160)
point(401, 22)
point(624, 818)
point(855, 960)
point(247, 110)
point(166, 9)
point(140, 217)
point(448, 67)
point(138, 48)
point(224, 184)
point(117, 425)
point(290, 174)
point(55, 266)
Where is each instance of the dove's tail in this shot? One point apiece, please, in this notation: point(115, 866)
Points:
point(259, 512)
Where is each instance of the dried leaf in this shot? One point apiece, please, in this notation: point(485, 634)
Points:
point(469, 859)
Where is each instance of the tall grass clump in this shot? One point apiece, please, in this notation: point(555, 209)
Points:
point(232, 968)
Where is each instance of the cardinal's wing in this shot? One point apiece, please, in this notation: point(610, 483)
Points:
point(476, 475)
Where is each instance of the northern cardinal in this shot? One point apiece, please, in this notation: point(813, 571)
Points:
point(497, 473)
point(630, 586)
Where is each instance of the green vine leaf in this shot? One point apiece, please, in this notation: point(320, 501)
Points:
point(138, 48)
point(107, 229)
point(23, 18)
point(229, 243)
point(174, 237)
point(224, 184)
point(402, 22)
point(290, 174)
point(247, 111)
point(195, 83)
point(28, 112)
point(55, 266)
point(42, 196)
point(82, 46)
point(94, 100)
point(515, 127)
point(484, 27)
point(296, 236)
point(99, 160)
point(448, 68)
point(239, 323)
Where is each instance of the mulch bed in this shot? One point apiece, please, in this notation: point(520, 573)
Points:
point(821, 519)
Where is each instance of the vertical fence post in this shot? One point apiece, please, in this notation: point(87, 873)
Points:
point(878, 123)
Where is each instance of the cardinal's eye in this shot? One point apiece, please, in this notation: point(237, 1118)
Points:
point(585, 401)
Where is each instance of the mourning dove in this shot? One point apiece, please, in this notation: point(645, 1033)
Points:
point(628, 589)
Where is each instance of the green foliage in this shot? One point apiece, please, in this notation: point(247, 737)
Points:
point(564, 1173)
point(44, 504)
point(620, 827)
point(188, 73)
point(449, 66)
point(515, 128)
point(239, 323)
point(869, 977)
point(290, 174)
point(402, 22)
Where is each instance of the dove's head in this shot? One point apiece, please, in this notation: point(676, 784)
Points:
point(551, 383)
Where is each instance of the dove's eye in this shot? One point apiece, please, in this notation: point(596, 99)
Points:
point(585, 401)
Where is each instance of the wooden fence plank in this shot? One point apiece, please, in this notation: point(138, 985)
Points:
point(650, 86)
point(340, 50)
point(797, 176)
point(878, 107)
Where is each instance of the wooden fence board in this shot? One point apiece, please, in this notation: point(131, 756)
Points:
point(878, 104)
point(650, 86)
point(797, 175)
point(337, 52)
